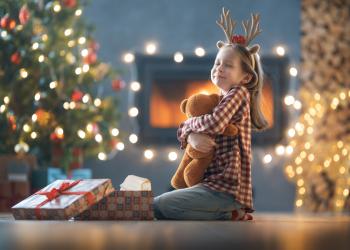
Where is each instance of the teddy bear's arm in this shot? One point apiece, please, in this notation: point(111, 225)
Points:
point(230, 130)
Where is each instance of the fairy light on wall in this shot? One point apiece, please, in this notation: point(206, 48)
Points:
point(178, 57)
point(150, 48)
point(172, 156)
point(133, 112)
point(148, 154)
point(280, 50)
point(128, 57)
point(199, 51)
point(135, 86)
point(133, 138)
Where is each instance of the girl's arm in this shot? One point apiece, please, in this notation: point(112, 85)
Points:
point(216, 122)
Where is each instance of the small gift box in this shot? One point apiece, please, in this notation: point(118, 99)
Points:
point(133, 202)
point(121, 205)
point(62, 199)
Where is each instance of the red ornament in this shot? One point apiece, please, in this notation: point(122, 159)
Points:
point(113, 143)
point(238, 39)
point(16, 58)
point(70, 3)
point(23, 15)
point(7, 23)
point(54, 137)
point(91, 57)
point(118, 84)
point(77, 95)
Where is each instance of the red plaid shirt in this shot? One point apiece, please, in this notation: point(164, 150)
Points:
point(230, 170)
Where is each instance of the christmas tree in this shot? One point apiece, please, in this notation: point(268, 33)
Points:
point(320, 163)
point(53, 97)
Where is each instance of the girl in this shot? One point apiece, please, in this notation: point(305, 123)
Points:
point(226, 190)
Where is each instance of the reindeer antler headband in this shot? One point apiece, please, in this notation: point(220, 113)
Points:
point(251, 29)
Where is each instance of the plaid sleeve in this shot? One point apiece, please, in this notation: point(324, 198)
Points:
point(216, 122)
point(182, 133)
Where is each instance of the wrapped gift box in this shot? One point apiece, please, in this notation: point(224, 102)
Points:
point(62, 199)
point(121, 205)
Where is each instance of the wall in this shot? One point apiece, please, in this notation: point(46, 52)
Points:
point(181, 26)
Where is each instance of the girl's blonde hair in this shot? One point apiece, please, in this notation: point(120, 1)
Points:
point(251, 64)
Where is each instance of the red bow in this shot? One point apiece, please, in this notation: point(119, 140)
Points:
point(55, 192)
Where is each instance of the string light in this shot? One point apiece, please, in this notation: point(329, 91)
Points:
point(178, 57)
point(148, 154)
point(120, 146)
point(78, 71)
point(66, 105)
point(280, 50)
point(72, 105)
point(81, 134)
point(293, 71)
point(97, 102)
point(53, 84)
point(102, 156)
point(6, 100)
point(199, 51)
point(128, 57)
point(34, 117)
point(151, 48)
point(26, 128)
point(84, 53)
point(2, 108)
point(86, 68)
point(33, 135)
point(98, 138)
point(135, 86)
point(299, 203)
point(78, 12)
point(68, 32)
point(35, 46)
point(59, 132)
point(37, 96)
point(133, 138)
point(57, 7)
point(89, 127)
point(81, 40)
point(71, 43)
point(267, 159)
point(133, 112)
point(289, 100)
point(280, 149)
point(114, 132)
point(23, 73)
point(172, 156)
point(86, 98)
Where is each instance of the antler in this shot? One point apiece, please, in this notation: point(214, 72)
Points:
point(227, 24)
point(251, 29)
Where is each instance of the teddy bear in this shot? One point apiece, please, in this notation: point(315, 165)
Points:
point(194, 163)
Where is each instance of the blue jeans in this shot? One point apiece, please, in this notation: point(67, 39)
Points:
point(195, 203)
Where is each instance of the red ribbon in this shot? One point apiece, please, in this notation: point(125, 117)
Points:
point(56, 192)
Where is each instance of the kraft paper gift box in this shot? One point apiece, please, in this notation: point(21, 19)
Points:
point(134, 204)
point(62, 199)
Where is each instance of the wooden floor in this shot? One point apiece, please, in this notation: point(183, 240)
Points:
point(267, 231)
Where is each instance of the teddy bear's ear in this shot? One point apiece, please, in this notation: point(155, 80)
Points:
point(215, 98)
point(254, 49)
point(220, 44)
point(183, 106)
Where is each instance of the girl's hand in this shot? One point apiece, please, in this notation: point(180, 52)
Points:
point(201, 142)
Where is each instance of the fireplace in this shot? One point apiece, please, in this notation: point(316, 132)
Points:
point(166, 83)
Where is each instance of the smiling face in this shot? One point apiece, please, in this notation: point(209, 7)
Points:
point(227, 70)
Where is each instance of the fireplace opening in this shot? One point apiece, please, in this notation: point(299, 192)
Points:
point(166, 84)
point(166, 98)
